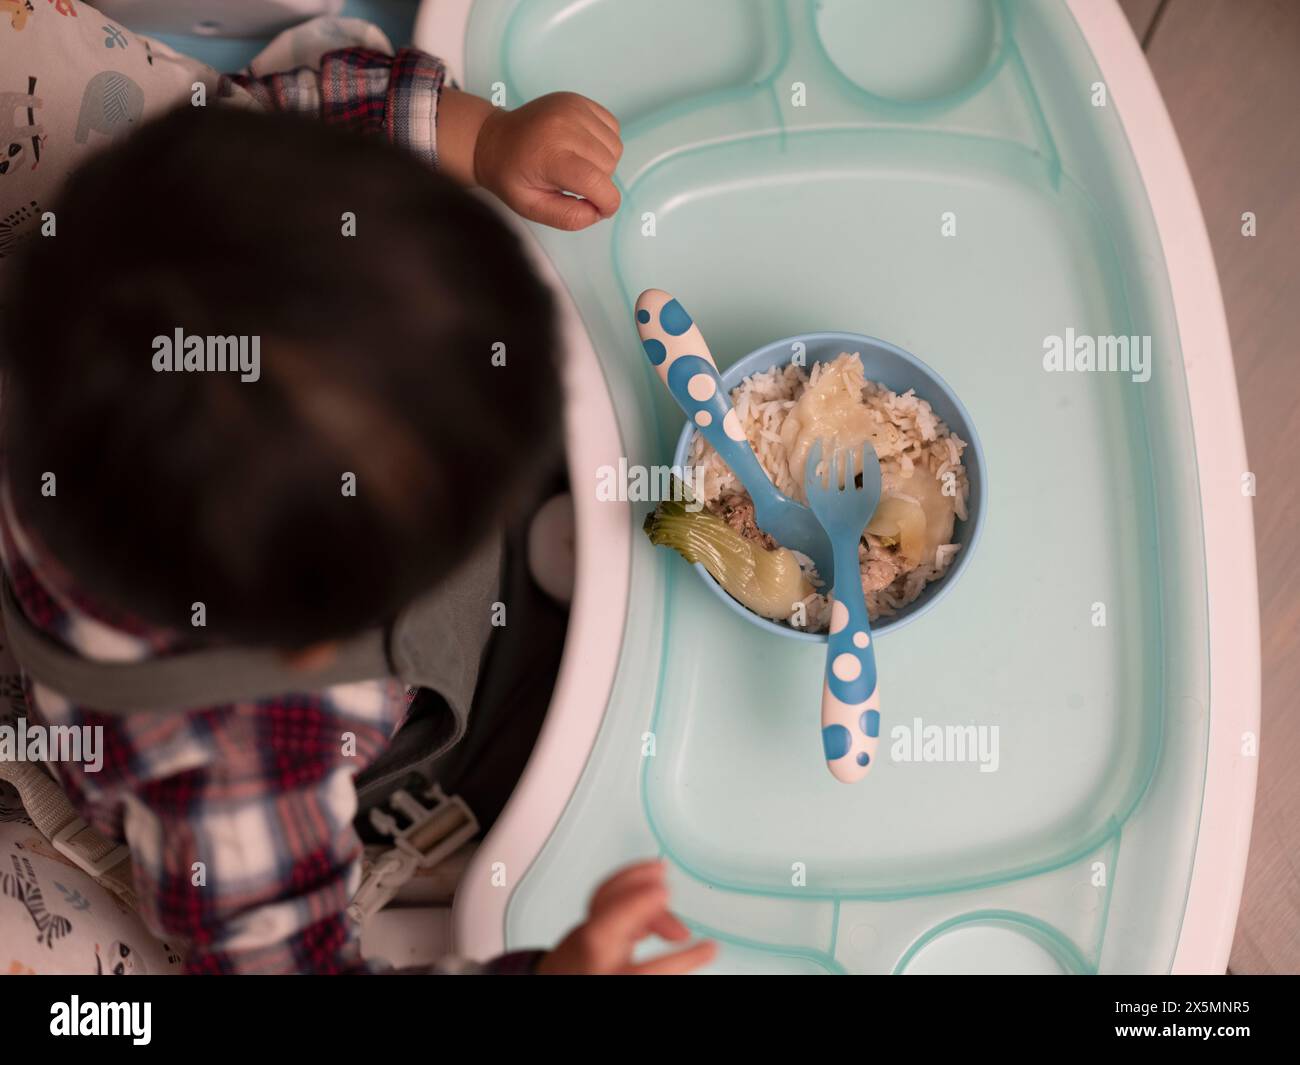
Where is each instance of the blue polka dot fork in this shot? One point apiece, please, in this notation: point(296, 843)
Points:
point(676, 349)
point(850, 696)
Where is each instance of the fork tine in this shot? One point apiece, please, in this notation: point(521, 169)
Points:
point(848, 470)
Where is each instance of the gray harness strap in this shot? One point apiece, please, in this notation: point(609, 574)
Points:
point(438, 642)
point(178, 682)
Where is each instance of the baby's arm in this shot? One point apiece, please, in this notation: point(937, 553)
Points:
point(529, 157)
point(627, 908)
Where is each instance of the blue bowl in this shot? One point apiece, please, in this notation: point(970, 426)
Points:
point(896, 370)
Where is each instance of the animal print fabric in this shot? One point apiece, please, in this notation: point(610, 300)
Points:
point(71, 82)
point(55, 919)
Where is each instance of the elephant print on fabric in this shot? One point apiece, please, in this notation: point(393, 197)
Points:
point(20, 138)
point(111, 104)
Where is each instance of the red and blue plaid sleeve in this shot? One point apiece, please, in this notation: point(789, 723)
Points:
point(239, 817)
point(516, 963)
point(395, 96)
point(239, 820)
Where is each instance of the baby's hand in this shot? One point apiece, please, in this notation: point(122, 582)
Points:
point(626, 908)
point(561, 143)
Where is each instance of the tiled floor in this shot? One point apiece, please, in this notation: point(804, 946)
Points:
point(1230, 74)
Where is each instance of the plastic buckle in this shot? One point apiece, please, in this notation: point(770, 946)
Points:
point(79, 851)
point(434, 833)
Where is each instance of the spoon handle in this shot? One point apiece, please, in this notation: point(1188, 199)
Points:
point(676, 349)
point(850, 693)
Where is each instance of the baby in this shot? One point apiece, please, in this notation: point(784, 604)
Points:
point(405, 388)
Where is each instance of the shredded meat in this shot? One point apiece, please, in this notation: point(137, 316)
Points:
point(880, 564)
point(738, 512)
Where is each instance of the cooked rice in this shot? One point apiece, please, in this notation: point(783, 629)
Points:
point(763, 401)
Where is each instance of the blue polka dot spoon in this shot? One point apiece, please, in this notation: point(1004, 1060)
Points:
point(677, 351)
point(850, 697)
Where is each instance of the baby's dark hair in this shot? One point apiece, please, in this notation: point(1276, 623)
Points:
point(381, 358)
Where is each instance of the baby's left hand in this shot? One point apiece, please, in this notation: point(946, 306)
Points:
point(562, 143)
point(626, 908)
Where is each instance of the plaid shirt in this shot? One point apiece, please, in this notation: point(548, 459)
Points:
point(395, 96)
point(239, 817)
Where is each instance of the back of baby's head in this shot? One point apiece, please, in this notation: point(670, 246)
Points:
point(273, 367)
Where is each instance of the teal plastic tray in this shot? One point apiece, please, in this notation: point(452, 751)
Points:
point(794, 167)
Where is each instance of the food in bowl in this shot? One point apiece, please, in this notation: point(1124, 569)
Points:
point(908, 543)
point(768, 581)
